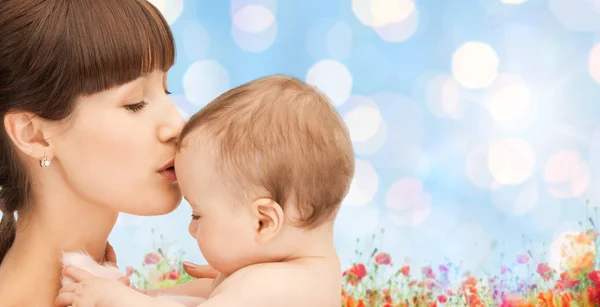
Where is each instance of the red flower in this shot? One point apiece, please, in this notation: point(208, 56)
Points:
point(151, 258)
point(174, 275)
point(383, 259)
point(593, 293)
point(566, 282)
point(442, 298)
point(595, 276)
point(405, 270)
point(356, 273)
point(545, 271)
point(129, 271)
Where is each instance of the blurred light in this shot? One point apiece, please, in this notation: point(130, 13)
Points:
point(339, 40)
point(469, 245)
point(401, 31)
point(475, 65)
point(516, 200)
point(508, 98)
point(357, 222)
point(183, 113)
point(404, 130)
point(333, 78)
point(513, 1)
point(443, 96)
point(566, 174)
point(379, 13)
point(364, 145)
point(171, 9)
point(253, 19)
point(408, 202)
point(577, 15)
point(545, 215)
point(205, 81)
point(254, 28)
point(329, 38)
point(363, 122)
point(128, 220)
point(364, 185)
point(196, 41)
point(476, 167)
point(237, 5)
point(594, 63)
point(442, 220)
point(511, 161)
point(573, 250)
point(393, 20)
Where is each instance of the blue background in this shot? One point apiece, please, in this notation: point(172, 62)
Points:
point(447, 169)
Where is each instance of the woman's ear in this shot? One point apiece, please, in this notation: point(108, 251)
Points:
point(269, 219)
point(27, 133)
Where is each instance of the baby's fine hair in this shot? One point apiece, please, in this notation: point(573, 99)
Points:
point(283, 135)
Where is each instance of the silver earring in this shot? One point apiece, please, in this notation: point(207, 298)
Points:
point(45, 162)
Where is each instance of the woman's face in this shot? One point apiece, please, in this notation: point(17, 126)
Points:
point(118, 143)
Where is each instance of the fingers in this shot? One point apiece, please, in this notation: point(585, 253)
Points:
point(65, 299)
point(200, 271)
point(68, 288)
point(78, 275)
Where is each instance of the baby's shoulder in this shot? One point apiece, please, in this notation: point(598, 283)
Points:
point(287, 283)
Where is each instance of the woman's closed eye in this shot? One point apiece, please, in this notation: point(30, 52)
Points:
point(195, 217)
point(136, 107)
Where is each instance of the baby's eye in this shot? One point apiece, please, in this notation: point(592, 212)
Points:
point(195, 217)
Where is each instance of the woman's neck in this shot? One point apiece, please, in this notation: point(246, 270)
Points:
point(51, 226)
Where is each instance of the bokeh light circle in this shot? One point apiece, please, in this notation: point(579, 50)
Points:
point(333, 78)
point(364, 184)
point(408, 202)
point(511, 161)
point(205, 81)
point(475, 65)
point(566, 174)
point(171, 9)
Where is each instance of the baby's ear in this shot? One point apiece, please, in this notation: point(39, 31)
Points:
point(269, 219)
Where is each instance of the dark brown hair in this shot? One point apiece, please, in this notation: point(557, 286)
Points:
point(54, 51)
point(283, 135)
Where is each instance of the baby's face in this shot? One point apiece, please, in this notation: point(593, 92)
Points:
point(221, 224)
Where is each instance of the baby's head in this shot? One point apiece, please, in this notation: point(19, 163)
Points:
point(262, 165)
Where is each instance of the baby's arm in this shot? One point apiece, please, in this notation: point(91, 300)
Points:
point(198, 287)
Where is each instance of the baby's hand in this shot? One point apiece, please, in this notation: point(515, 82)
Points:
point(90, 291)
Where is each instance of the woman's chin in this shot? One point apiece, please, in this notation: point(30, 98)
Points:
point(154, 209)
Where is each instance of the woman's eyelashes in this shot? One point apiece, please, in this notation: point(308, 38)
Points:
point(136, 107)
point(195, 217)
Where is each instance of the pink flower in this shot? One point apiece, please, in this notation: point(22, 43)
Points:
point(151, 258)
point(383, 259)
point(428, 272)
point(503, 269)
point(523, 259)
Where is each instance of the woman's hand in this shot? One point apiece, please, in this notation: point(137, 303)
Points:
point(111, 257)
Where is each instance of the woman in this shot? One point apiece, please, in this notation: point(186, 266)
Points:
point(88, 132)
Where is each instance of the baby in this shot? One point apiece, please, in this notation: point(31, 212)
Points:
point(265, 167)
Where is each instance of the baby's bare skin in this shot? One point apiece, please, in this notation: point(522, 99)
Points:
point(302, 282)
